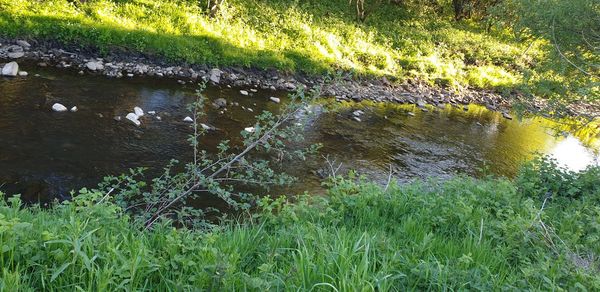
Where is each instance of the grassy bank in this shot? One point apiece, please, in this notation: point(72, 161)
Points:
point(489, 234)
point(310, 36)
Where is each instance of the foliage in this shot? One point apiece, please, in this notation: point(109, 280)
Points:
point(545, 178)
point(251, 165)
point(462, 234)
point(572, 31)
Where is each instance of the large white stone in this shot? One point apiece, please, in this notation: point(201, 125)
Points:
point(10, 69)
point(133, 118)
point(57, 107)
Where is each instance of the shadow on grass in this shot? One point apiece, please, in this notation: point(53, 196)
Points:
point(192, 49)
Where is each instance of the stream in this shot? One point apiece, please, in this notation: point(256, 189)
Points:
point(45, 154)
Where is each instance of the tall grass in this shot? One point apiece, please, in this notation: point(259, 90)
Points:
point(464, 234)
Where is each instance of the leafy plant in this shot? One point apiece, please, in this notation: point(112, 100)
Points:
point(252, 164)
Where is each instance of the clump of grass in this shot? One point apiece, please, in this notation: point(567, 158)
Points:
point(489, 234)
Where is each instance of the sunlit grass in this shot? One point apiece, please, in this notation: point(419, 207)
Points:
point(309, 36)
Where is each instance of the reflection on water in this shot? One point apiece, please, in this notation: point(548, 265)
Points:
point(45, 154)
point(571, 153)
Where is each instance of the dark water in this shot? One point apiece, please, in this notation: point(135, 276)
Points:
point(44, 155)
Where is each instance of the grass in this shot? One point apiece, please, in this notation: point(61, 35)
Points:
point(463, 234)
point(309, 36)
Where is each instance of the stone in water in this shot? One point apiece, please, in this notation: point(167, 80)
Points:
point(57, 107)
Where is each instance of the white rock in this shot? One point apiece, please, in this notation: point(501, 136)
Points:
point(254, 90)
point(274, 99)
point(250, 110)
point(91, 66)
point(244, 92)
point(73, 109)
point(152, 112)
point(250, 129)
point(206, 127)
point(133, 118)
point(358, 113)
point(23, 73)
point(138, 111)
point(188, 119)
point(15, 55)
point(158, 118)
point(57, 107)
point(10, 69)
point(357, 119)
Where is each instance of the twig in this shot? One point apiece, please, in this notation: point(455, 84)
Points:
point(389, 180)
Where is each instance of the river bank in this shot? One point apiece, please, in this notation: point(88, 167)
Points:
point(343, 87)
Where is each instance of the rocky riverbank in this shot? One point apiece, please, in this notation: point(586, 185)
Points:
point(343, 88)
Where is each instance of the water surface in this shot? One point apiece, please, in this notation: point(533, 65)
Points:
point(45, 155)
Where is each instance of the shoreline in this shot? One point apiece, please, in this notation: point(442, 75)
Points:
point(344, 88)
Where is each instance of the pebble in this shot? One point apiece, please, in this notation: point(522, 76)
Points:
point(244, 92)
point(188, 120)
point(250, 129)
point(206, 127)
point(133, 118)
point(57, 107)
point(151, 112)
point(507, 116)
point(15, 55)
point(274, 99)
point(138, 111)
point(73, 109)
point(23, 43)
